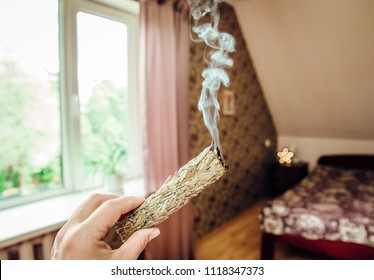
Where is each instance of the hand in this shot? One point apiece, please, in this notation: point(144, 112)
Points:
point(81, 237)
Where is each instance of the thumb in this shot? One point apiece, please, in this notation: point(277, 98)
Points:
point(137, 242)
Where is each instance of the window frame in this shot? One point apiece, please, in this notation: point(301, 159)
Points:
point(72, 160)
point(126, 12)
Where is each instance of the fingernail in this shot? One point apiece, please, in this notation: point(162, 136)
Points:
point(154, 234)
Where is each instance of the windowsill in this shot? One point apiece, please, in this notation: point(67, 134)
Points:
point(35, 219)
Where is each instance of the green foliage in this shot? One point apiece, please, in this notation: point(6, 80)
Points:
point(45, 175)
point(26, 104)
point(29, 122)
point(9, 179)
point(103, 130)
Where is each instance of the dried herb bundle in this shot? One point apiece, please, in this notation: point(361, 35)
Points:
point(176, 192)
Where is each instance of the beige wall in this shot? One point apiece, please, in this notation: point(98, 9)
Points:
point(315, 62)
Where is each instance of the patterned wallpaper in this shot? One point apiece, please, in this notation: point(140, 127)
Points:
point(242, 135)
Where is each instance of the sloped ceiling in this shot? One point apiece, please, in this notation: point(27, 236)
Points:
point(315, 62)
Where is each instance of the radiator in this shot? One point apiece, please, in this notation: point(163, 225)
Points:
point(38, 248)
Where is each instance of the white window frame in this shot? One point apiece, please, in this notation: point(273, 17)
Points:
point(125, 11)
point(72, 160)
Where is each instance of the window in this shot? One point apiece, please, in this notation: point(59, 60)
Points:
point(68, 96)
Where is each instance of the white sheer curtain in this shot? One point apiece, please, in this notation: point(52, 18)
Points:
point(165, 75)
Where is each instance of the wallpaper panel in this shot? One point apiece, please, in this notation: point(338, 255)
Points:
point(242, 135)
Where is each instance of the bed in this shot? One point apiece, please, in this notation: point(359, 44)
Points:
point(330, 212)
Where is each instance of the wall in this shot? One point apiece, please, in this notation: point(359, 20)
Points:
point(309, 149)
point(315, 62)
point(242, 136)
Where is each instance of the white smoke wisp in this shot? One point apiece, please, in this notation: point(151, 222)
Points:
point(205, 20)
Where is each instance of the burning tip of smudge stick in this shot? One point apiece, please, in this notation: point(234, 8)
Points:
point(220, 157)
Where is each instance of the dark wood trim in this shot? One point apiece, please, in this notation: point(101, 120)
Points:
point(267, 246)
point(348, 161)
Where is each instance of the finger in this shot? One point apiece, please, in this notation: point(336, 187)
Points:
point(89, 205)
point(137, 242)
point(109, 212)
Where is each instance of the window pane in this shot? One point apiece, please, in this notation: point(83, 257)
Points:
point(102, 81)
point(30, 150)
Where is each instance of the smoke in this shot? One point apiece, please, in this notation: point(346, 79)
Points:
point(205, 20)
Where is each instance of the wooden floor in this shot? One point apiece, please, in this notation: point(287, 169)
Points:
point(240, 240)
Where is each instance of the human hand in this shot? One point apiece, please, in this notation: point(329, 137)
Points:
point(81, 236)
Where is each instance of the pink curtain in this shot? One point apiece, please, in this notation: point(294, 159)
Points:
point(165, 72)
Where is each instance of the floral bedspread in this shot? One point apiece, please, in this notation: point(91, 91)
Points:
point(331, 204)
